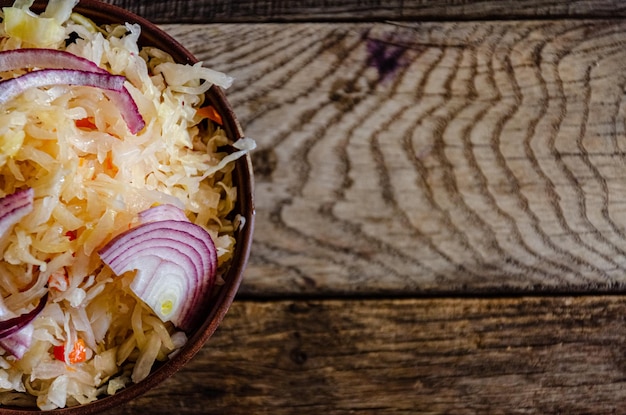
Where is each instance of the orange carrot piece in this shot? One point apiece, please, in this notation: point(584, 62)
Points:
point(109, 166)
point(86, 123)
point(59, 280)
point(77, 355)
point(211, 113)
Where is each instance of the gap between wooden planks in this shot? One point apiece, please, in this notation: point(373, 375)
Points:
point(251, 11)
point(391, 356)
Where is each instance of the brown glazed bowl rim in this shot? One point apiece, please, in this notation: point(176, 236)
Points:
point(151, 35)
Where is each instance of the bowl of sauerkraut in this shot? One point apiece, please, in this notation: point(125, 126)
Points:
point(126, 205)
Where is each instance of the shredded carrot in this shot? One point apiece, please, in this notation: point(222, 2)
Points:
point(211, 113)
point(59, 280)
point(109, 166)
point(86, 123)
point(77, 355)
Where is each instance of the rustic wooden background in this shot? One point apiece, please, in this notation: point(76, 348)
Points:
point(441, 207)
point(255, 11)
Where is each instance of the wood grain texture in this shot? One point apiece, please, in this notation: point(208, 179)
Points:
point(413, 159)
point(443, 356)
point(203, 11)
point(430, 157)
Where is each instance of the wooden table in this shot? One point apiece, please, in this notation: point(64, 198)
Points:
point(441, 207)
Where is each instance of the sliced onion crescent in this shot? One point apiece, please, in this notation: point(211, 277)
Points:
point(14, 207)
point(12, 325)
point(11, 88)
point(34, 58)
point(14, 336)
point(162, 212)
point(18, 343)
point(175, 263)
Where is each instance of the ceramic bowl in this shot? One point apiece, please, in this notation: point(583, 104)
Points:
point(103, 13)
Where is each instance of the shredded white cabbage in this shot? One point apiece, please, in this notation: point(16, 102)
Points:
point(91, 178)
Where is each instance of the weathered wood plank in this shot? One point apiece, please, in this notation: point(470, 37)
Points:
point(431, 157)
point(203, 11)
point(452, 356)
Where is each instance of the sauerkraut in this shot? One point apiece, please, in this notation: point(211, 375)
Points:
point(91, 178)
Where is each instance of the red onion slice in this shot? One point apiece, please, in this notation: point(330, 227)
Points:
point(12, 325)
point(129, 111)
point(12, 60)
point(15, 336)
point(11, 88)
point(14, 207)
point(32, 58)
point(175, 263)
point(162, 212)
point(18, 343)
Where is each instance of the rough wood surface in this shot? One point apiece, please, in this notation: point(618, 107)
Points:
point(404, 160)
point(203, 11)
point(431, 157)
point(440, 356)
point(401, 160)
